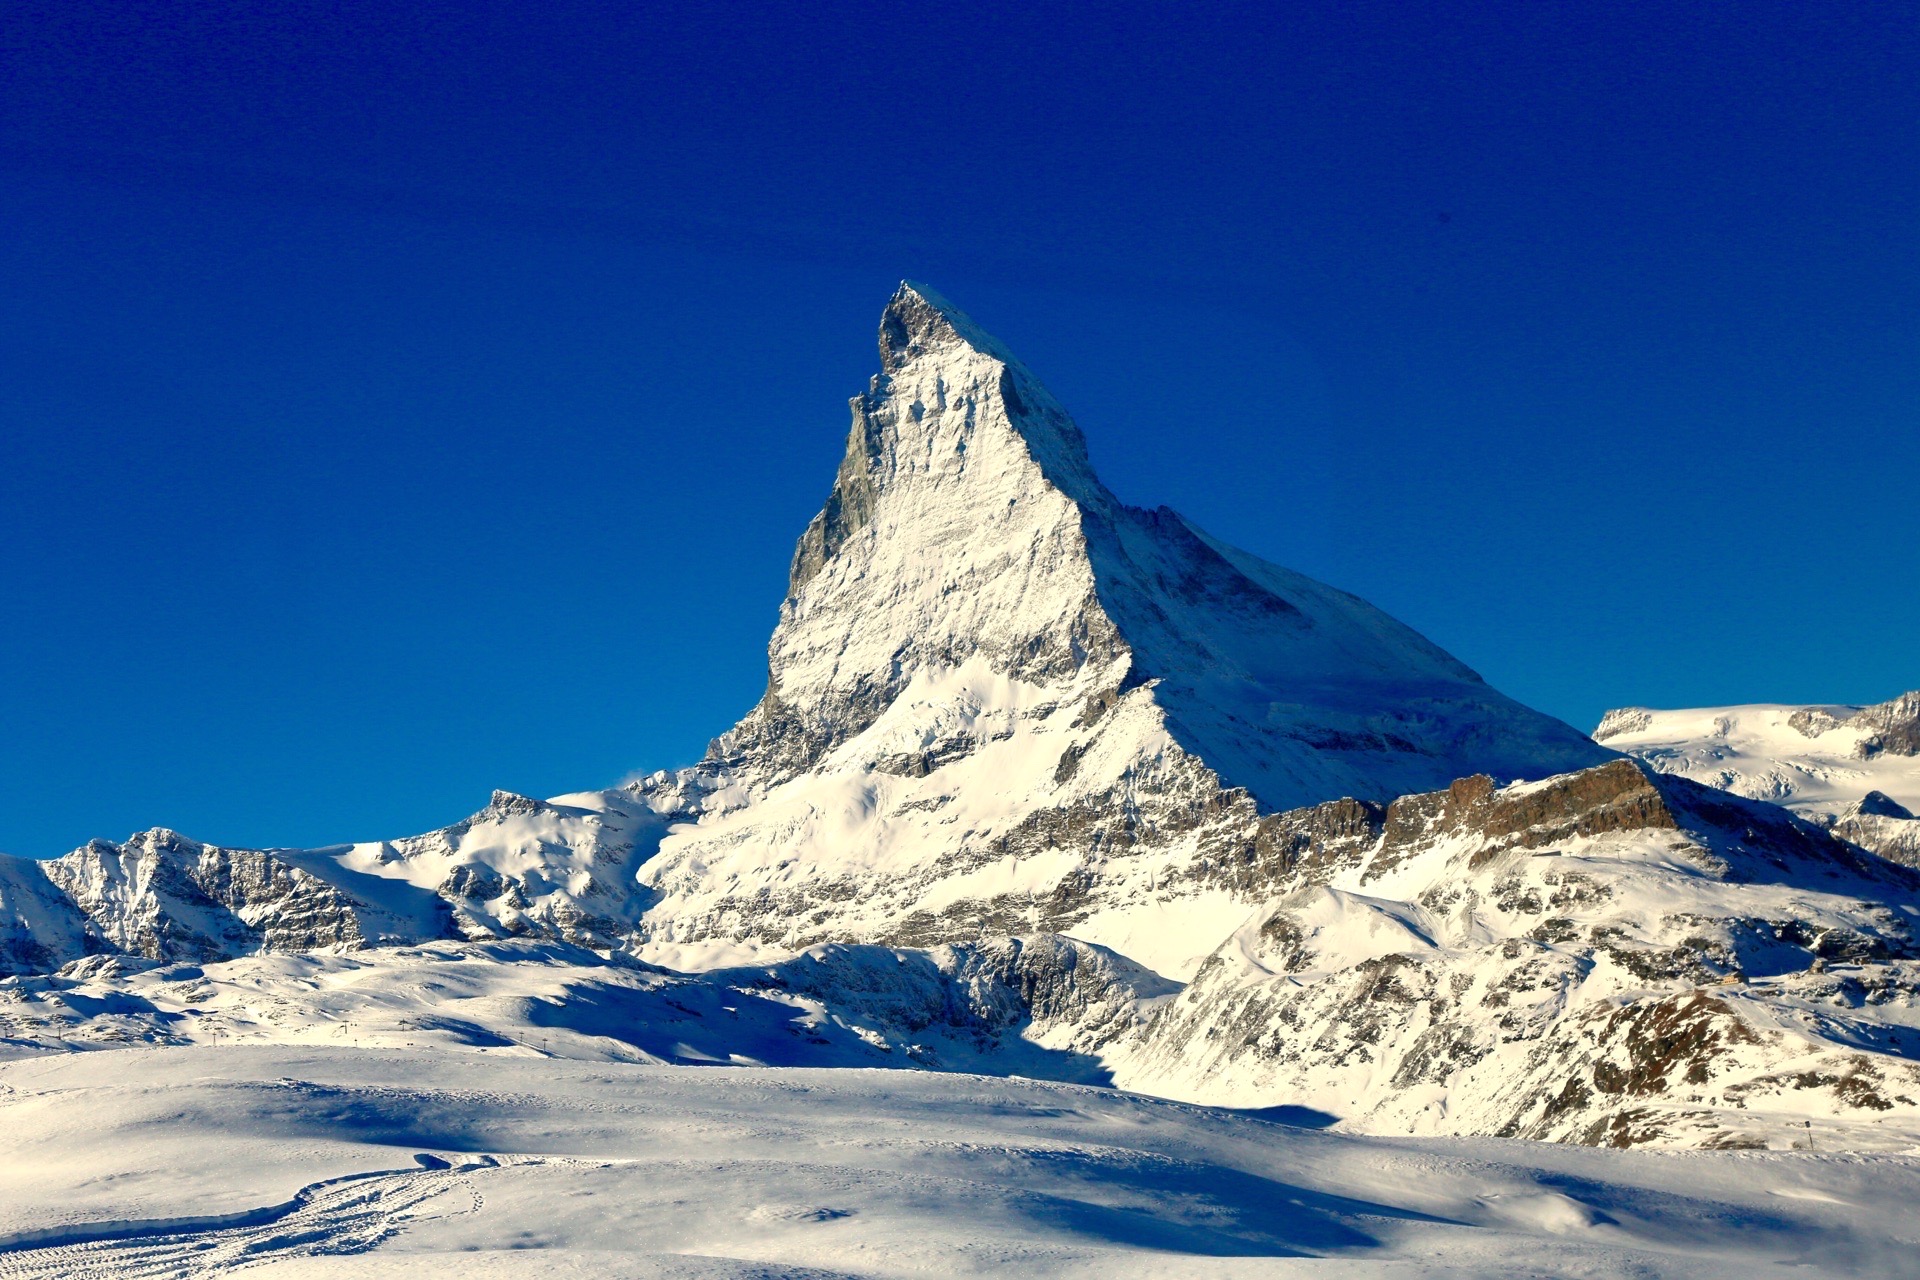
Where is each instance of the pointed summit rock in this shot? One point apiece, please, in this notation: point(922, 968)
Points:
point(984, 656)
point(966, 523)
point(953, 531)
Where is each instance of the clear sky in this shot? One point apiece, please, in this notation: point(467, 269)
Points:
point(401, 401)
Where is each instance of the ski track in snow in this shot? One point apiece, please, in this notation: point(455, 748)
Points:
point(332, 1218)
point(538, 1167)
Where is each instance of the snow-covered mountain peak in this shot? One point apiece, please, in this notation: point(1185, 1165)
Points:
point(965, 523)
point(953, 529)
point(932, 352)
point(1876, 804)
point(919, 320)
point(1817, 759)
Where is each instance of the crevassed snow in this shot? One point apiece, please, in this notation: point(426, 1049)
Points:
point(1753, 750)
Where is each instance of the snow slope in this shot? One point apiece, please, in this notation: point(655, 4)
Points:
point(1043, 1006)
point(339, 1163)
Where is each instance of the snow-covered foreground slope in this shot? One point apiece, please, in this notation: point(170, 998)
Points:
point(1856, 769)
point(1043, 1006)
point(342, 1163)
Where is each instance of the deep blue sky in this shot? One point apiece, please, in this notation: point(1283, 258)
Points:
point(398, 402)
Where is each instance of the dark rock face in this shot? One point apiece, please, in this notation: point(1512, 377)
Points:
point(850, 504)
point(1622, 720)
point(1814, 721)
point(1892, 727)
point(165, 897)
point(1619, 796)
point(1878, 804)
point(1284, 851)
point(1895, 726)
point(995, 987)
point(508, 804)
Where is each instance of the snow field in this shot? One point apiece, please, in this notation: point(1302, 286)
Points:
point(521, 1166)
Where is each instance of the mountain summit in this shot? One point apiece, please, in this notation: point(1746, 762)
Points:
point(987, 661)
point(966, 525)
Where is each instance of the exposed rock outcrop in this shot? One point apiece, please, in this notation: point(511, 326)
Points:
point(1613, 957)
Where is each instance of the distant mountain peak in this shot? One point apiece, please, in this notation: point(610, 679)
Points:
point(1852, 766)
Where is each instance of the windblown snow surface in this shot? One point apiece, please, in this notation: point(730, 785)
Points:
point(329, 1162)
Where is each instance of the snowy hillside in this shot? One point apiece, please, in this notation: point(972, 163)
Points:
point(1606, 957)
point(1856, 769)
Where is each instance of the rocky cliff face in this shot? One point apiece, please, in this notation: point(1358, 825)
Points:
point(162, 896)
point(1610, 957)
point(1892, 727)
point(1879, 823)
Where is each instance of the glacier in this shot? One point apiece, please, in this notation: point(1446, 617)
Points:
point(1853, 769)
